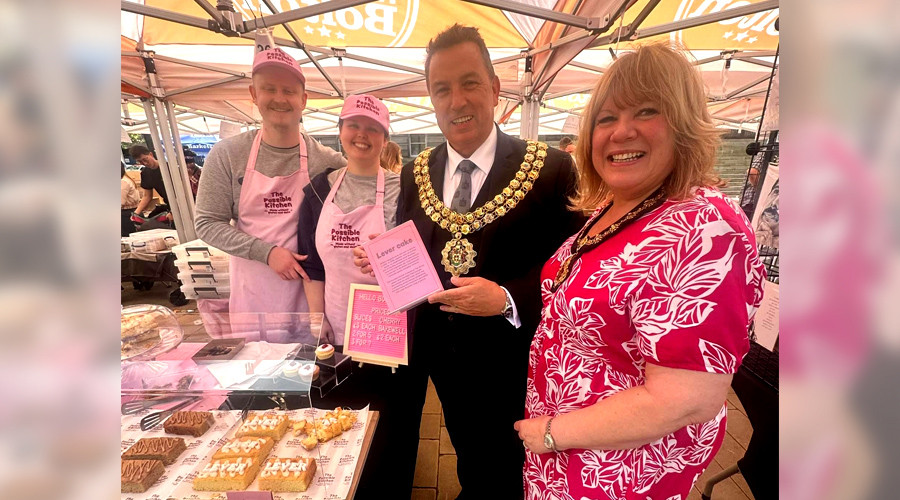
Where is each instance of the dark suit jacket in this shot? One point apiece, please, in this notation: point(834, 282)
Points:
point(511, 250)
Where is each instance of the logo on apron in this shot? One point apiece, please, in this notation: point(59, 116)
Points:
point(276, 203)
point(344, 236)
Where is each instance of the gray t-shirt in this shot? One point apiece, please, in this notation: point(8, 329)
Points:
point(220, 188)
point(358, 190)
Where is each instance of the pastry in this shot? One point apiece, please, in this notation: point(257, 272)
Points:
point(306, 372)
point(139, 475)
point(165, 449)
point(262, 424)
point(247, 446)
point(347, 419)
point(227, 474)
point(302, 426)
point(287, 474)
point(310, 441)
point(290, 369)
point(193, 423)
point(139, 327)
point(325, 351)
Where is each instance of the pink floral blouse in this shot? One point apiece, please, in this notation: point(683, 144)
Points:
point(676, 288)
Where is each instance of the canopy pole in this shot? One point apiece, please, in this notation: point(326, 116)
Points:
point(528, 129)
point(161, 158)
point(182, 209)
point(185, 181)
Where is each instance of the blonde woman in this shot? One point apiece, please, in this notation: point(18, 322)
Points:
point(646, 309)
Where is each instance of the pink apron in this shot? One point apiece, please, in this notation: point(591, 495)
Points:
point(269, 210)
point(336, 235)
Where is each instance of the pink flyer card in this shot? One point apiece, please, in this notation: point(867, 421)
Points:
point(402, 267)
point(373, 334)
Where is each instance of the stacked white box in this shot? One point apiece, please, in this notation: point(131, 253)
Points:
point(203, 270)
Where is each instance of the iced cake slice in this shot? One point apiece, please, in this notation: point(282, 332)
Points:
point(264, 425)
point(139, 475)
point(247, 446)
point(166, 449)
point(193, 423)
point(287, 474)
point(226, 474)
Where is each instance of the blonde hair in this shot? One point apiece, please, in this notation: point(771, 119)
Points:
point(391, 159)
point(662, 75)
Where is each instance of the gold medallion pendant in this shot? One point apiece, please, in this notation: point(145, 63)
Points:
point(458, 253)
point(459, 256)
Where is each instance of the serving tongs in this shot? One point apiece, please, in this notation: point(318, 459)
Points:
point(139, 405)
point(154, 419)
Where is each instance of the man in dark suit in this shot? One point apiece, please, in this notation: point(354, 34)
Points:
point(473, 338)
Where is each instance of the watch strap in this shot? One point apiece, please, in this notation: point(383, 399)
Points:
point(508, 307)
point(549, 437)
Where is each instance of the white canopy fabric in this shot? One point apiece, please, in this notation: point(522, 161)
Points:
point(378, 48)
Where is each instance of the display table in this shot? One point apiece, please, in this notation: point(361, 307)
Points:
point(257, 378)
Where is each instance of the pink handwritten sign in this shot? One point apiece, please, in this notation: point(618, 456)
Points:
point(374, 335)
point(402, 267)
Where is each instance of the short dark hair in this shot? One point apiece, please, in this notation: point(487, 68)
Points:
point(138, 150)
point(565, 141)
point(453, 36)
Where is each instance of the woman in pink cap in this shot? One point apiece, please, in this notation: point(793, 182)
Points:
point(342, 207)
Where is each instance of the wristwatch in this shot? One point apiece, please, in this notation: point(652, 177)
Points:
point(507, 311)
point(549, 443)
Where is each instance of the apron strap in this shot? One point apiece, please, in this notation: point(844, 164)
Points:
point(334, 189)
point(379, 188)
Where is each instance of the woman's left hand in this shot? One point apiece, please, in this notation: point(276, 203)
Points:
point(531, 432)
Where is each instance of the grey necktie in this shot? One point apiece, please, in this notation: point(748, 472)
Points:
point(462, 199)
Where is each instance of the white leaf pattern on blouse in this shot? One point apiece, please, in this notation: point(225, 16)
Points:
point(605, 470)
point(716, 358)
point(678, 286)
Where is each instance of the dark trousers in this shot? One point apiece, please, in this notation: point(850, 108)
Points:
point(479, 369)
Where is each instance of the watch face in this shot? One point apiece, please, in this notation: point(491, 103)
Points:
point(548, 442)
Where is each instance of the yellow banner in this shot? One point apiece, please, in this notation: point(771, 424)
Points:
point(386, 23)
point(752, 32)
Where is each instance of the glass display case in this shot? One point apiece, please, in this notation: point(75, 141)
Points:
point(243, 370)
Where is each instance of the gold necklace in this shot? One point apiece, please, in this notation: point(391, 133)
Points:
point(584, 243)
point(458, 254)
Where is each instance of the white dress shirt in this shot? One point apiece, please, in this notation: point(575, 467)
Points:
point(483, 158)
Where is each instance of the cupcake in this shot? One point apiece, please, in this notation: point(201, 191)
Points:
point(325, 351)
point(307, 372)
point(290, 369)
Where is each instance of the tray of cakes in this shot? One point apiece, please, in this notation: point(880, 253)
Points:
point(306, 454)
point(154, 462)
point(148, 330)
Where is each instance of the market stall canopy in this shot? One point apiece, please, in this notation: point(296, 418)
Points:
point(201, 56)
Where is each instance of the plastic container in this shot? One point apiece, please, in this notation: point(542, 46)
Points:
point(214, 313)
point(203, 278)
point(148, 330)
point(193, 291)
point(154, 240)
point(197, 250)
point(208, 265)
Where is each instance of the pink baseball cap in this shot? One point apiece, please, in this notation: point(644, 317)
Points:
point(368, 106)
point(278, 58)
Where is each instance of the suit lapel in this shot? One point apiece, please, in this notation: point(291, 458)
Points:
point(502, 171)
